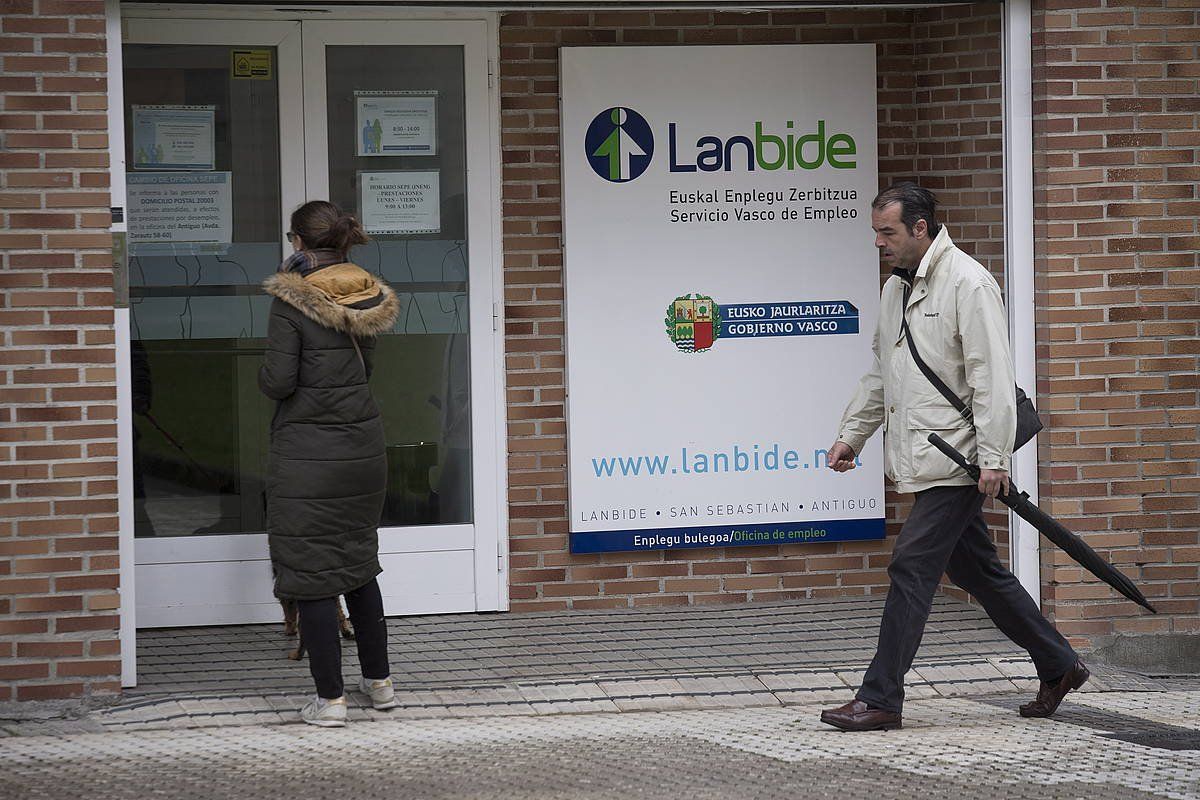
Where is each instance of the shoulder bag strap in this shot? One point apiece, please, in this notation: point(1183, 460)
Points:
point(361, 361)
point(937, 382)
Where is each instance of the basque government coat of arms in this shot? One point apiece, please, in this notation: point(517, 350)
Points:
point(693, 322)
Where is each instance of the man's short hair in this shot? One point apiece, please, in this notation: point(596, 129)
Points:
point(915, 203)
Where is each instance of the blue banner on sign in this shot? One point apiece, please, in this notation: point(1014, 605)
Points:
point(810, 318)
point(840, 530)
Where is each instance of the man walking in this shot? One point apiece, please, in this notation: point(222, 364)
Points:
point(952, 309)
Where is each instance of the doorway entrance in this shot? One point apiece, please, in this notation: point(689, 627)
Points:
point(229, 126)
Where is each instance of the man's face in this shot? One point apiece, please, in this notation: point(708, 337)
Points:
point(898, 247)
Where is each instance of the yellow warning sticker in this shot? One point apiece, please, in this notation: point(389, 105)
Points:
point(252, 65)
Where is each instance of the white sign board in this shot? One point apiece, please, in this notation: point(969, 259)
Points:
point(173, 137)
point(402, 202)
point(722, 289)
point(396, 123)
point(180, 207)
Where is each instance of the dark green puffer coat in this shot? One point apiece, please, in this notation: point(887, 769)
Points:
point(327, 473)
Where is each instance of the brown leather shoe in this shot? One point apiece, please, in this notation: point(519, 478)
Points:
point(1051, 694)
point(858, 716)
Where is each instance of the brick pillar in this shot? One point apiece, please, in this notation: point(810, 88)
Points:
point(58, 487)
point(1117, 127)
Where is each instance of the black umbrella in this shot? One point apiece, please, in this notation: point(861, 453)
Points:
point(1053, 530)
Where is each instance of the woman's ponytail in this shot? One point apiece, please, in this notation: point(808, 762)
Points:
point(347, 232)
point(323, 226)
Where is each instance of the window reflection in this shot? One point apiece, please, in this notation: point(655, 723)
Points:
point(199, 315)
point(422, 370)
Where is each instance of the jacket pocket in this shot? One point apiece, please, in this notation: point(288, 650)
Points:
point(926, 462)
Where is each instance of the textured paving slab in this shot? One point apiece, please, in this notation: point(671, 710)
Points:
point(949, 749)
point(464, 649)
point(575, 663)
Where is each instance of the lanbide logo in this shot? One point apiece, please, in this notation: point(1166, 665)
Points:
point(619, 144)
point(765, 150)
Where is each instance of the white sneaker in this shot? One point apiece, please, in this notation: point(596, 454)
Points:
point(325, 713)
point(381, 692)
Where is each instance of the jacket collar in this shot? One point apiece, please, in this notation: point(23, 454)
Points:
point(314, 303)
point(941, 243)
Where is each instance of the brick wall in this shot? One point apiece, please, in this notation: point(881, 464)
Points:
point(58, 506)
point(953, 142)
point(1117, 108)
point(1116, 126)
point(958, 138)
point(958, 134)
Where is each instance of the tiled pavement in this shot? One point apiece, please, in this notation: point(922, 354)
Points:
point(739, 688)
point(951, 748)
point(568, 663)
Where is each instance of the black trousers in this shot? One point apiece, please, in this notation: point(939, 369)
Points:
point(946, 533)
point(319, 628)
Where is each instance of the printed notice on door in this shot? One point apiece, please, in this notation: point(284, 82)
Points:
point(168, 207)
point(396, 123)
point(251, 64)
point(401, 202)
point(173, 137)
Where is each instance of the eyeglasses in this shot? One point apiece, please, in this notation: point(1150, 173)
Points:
point(291, 236)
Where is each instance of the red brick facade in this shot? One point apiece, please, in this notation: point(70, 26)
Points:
point(939, 97)
point(58, 468)
point(1117, 127)
point(1116, 121)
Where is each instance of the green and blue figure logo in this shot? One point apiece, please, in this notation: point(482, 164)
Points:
point(693, 322)
point(619, 144)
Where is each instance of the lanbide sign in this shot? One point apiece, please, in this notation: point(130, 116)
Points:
point(721, 293)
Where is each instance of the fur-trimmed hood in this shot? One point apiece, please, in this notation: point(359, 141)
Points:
point(323, 309)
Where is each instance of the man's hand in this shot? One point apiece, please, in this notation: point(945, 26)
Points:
point(840, 457)
point(990, 481)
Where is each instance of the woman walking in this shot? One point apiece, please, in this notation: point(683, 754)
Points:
point(328, 470)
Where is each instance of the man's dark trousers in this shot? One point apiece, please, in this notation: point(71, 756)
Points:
point(946, 533)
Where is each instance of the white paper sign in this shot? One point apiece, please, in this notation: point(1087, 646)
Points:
point(180, 207)
point(173, 137)
point(396, 123)
point(401, 201)
point(722, 289)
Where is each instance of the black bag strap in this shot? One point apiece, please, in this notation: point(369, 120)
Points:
point(361, 361)
point(937, 382)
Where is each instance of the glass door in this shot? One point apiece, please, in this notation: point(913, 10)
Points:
point(230, 125)
point(396, 119)
point(212, 150)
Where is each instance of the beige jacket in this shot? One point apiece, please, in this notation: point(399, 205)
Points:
point(957, 318)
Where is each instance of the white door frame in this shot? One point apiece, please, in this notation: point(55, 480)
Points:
point(116, 160)
point(248, 587)
point(1017, 82)
point(483, 296)
point(245, 25)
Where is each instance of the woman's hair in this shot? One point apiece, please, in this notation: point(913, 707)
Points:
point(322, 225)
